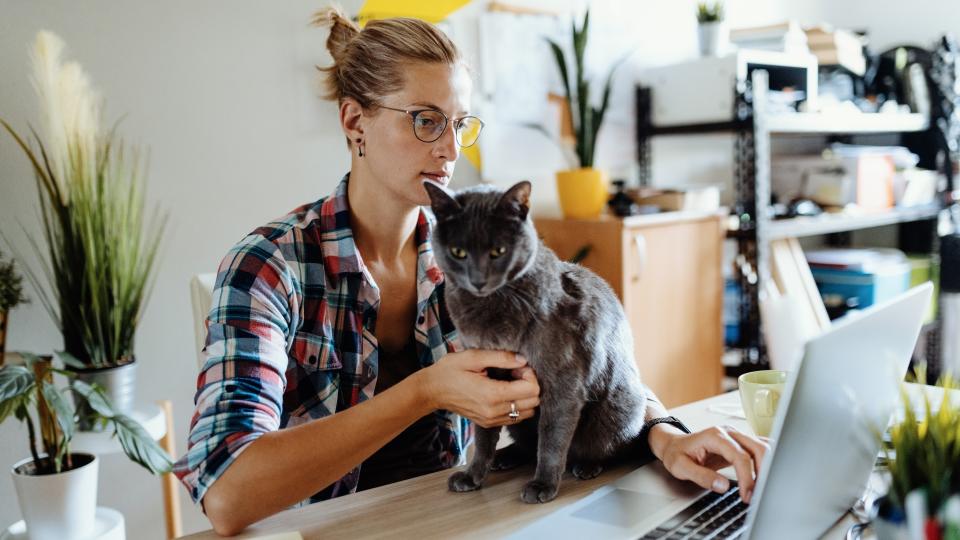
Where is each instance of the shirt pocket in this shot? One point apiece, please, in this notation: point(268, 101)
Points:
point(313, 352)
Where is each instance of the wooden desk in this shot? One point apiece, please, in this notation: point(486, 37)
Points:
point(423, 508)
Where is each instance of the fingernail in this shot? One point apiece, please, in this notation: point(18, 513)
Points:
point(520, 359)
point(721, 485)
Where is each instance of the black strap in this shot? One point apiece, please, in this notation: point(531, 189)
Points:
point(644, 436)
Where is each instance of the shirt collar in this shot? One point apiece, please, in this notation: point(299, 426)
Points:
point(340, 254)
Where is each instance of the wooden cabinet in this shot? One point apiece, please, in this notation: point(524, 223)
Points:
point(666, 269)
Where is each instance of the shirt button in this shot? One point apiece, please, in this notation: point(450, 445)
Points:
point(421, 319)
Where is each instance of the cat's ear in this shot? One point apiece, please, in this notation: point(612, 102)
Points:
point(441, 200)
point(517, 198)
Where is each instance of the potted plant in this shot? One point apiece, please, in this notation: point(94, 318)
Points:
point(583, 190)
point(923, 458)
point(100, 251)
point(710, 28)
point(11, 295)
point(56, 488)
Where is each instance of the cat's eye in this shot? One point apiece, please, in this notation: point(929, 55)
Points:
point(496, 252)
point(458, 253)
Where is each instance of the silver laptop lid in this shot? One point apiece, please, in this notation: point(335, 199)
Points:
point(844, 390)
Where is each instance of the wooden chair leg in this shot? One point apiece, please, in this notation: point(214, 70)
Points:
point(171, 492)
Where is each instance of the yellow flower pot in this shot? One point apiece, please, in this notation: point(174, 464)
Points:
point(583, 192)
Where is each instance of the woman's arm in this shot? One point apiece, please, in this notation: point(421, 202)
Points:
point(283, 467)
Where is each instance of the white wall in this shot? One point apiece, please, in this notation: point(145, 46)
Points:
point(223, 92)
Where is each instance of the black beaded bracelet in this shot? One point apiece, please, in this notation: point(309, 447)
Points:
point(645, 431)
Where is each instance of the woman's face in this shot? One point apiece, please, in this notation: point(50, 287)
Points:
point(397, 159)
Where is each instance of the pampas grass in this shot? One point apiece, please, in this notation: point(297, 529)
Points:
point(100, 250)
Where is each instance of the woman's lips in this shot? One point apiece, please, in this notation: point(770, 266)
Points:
point(440, 178)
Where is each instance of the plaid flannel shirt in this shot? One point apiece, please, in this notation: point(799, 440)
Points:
point(290, 338)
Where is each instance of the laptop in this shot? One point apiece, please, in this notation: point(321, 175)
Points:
point(844, 390)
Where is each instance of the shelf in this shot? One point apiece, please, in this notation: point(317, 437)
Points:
point(843, 123)
point(832, 223)
point(809, 123)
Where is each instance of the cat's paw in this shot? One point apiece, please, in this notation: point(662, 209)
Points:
point(538, 492)
point(460, 481)
point(509, 458)
point(586, 471)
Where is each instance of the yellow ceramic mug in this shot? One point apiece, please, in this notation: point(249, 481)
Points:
point(759, 394)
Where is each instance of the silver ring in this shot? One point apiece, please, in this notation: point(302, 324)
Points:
point(514, 413)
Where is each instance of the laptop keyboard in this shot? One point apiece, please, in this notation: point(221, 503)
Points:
point(715, 515)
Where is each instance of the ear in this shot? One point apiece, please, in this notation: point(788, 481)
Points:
point(441, 200)
point(351, 119)
point(518, 198)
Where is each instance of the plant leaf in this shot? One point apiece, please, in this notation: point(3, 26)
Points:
point(62, 409)
point(140, 447)
point(15, 381)
point(96, 397)
point(69, 360)
point(565, 75)
point(14, 403)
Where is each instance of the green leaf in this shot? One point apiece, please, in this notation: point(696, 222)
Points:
point(140, 447)
point(15, 381)
point(61, 409)
point(12, 404)
point(564, 74)
point(96, 397)
point(69, 360)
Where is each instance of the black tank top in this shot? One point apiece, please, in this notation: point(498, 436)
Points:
point(415, 451)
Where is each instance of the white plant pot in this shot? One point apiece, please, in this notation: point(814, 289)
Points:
point(58, 506)
point(713, 38)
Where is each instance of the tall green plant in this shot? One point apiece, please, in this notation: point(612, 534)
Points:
point(29, 394)
point(100, 251)
point(586, 117)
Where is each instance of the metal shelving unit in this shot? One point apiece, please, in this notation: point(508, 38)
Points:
point(753, 128)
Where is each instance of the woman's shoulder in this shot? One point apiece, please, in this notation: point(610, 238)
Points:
point(286, 243)
point(305, 218)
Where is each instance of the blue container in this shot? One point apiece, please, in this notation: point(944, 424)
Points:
point(731, 312)
point(867, 287)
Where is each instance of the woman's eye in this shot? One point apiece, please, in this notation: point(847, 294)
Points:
point(458, 253)
point(424, 122)
point(496, 252)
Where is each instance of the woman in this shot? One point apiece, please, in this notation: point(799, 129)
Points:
point(329, 346)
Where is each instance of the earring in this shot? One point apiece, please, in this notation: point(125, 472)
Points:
point(359, 149)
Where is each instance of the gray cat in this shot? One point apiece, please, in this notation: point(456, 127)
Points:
point(505, 290)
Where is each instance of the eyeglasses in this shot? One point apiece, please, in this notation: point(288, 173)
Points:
point(429, 125)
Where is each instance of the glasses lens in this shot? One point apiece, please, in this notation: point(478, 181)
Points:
point(429, 125)
point(468, 130)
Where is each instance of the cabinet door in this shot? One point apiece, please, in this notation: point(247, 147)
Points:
point(672, 295)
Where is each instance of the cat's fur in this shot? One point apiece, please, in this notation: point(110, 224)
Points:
point(562, 317)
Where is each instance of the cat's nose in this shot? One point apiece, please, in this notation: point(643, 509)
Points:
point(478, 284)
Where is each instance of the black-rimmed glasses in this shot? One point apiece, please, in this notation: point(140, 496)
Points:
point(429, 125)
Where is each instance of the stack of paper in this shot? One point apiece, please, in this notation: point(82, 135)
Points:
point(837, 48)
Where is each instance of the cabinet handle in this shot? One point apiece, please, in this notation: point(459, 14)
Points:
point(641, 244)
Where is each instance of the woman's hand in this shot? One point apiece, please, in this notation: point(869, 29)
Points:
point(458, 383)
point(698, 456)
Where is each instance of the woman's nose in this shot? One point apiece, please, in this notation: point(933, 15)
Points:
point(446, 146)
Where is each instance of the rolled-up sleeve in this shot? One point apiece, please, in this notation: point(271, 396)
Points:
point(241, 384)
